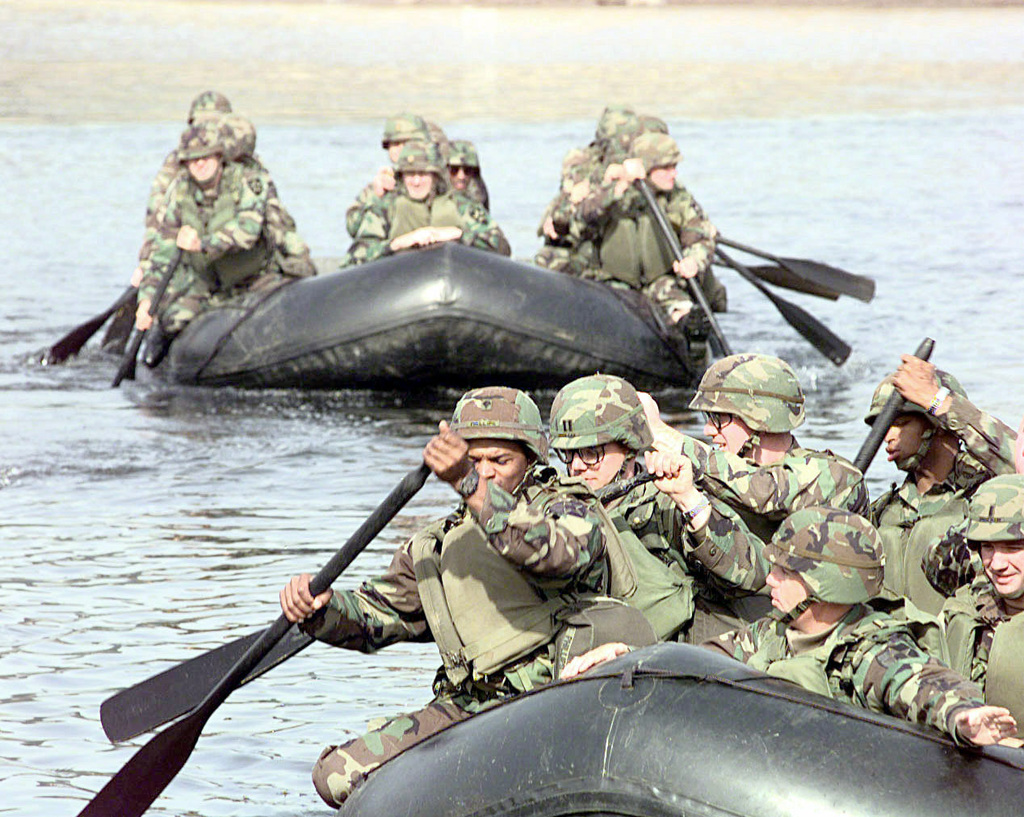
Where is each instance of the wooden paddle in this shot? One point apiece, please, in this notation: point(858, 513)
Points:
point(178, 690)
point(718, 341)
point(74, 340)
point(885, 417)
point(815, 273)
point(128, 362)
point(141, 780)
point(814, 331)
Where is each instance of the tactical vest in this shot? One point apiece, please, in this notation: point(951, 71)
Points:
point(664, 591)
point(1004, 674)
point(232, 268)
point(632, 251)
point(410, 215)
point(482, 610)
point(904, 551)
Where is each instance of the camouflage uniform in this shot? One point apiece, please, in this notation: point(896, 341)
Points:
point(399, 129)
point(982, 631)
point(396, 213)
point(720, 560)
point(911, 524)
point(249, 242)
point(582, 169)
point(552, 533)
point(208, 105)
point(765, 393)
point(870, 658)
point(463, 154)
point(630, 248)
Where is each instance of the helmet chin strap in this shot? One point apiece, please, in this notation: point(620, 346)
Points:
point(793, 614)
point(910, 463)
point(750, 445)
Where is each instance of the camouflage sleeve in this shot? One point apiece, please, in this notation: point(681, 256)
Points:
point(557, 537)
point(163, 242)
point(380, 612)
point(371, 238)
point(293, 252)
point(479, 229)
point(949, 564)
point(728, 549)
point(696, 233)
point(358, 209)
point(899, 678)
point(243, 230)
point(740, 644)
point(799, 480)
point(987, 440)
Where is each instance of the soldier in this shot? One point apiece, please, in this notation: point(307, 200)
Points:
point(208, 105)
point(421, 211)
point(598, 429)
point(398, 129)
point(232, 232)
point(464, 170)
point(947, 447)
point(752, 403)
point(498, 584)
point(985, 621)
point(630, 248)
point(830, 634)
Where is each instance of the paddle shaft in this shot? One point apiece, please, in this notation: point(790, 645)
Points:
point(718, 340)
point(814, 331)
point(74, 340)
point(883, 421)
point(141, 780)
point(127, 367)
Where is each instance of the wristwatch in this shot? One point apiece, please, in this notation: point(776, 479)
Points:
point(467, 487)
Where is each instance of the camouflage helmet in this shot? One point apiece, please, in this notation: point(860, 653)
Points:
point(500, 413)
point(421, 156)
point(996, 511)
point(761, 390)
point(837, 554)
point(614, 120)
point(656, 150)
point(438, 137)
point(886, 388)
point(200, 140)
point(207, 104)
point(404, 127)
point(238, 137)
point(463, 154)
point(599, 409)
point(653, 124)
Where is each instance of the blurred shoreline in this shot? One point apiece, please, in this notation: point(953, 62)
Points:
point(298, 61)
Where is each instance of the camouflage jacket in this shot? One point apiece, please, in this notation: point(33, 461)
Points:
point(258, 213)
point(976, 602)
point(766, 494)
point(579, 165)
point(373, 232)
point(554, 537)
point(696, 233)
point(365, 202)
point(869, 659)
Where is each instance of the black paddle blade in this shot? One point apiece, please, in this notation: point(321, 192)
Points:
point(782, 277)
point(74, 340)
point(841, 281)
point(817, 334)
point(180, 689)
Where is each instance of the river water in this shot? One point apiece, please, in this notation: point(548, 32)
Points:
point(146, 524)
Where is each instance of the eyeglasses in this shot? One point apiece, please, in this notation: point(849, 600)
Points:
point(717, 420)
point(591, 455)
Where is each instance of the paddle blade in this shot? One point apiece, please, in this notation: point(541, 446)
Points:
point(74, 340)
point(817, 334)
point(141, 780)
point(845, 283)
point(180, 689)
point(781, 277)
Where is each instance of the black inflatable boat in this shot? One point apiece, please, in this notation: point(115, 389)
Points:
point(674, 730)
point(446, 316)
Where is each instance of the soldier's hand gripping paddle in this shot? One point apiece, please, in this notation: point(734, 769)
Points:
point(886, 416)
point(718, 341)
point(127, 367)
point(814, 331)
point(139, 782)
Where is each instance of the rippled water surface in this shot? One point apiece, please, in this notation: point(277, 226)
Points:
point(144, 525)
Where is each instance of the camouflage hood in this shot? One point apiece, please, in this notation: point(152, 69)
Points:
point(500, 413)
point(761, 390)
point(837, 554)
point(599, 409)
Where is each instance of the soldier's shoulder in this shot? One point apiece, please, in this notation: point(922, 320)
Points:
point(252, 177)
